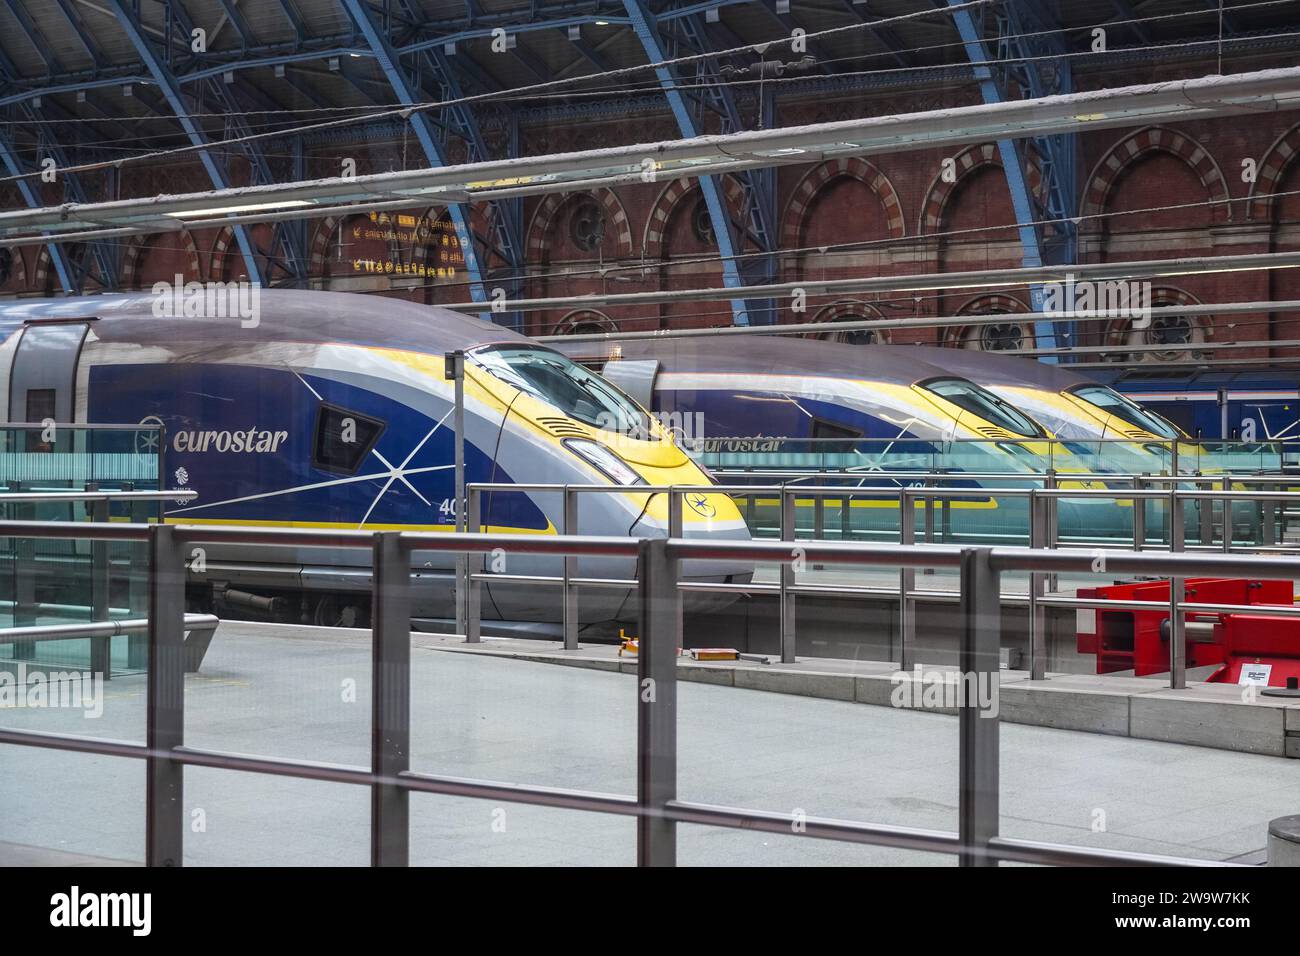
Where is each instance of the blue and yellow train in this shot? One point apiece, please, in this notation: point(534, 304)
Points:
point(329, 410)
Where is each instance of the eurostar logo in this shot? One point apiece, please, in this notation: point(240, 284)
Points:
point(699, 503)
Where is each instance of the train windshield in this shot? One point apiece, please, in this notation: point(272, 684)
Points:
point(566, 386)
point(980, 401)
point(1130, 411)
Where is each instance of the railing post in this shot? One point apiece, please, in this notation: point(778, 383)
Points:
point(1268, 537)
point(1177, 643)
point(1139, 515)
point(656, 751)
point(787, 579)
point(474, 587)
point(978, 797)
point(1037, 590)
point(165, 701)
point(1207, 517)
point(1227, 516)
point(25, 574)
point(906, 582)
point(137, 582)
point(569, 596)
point(1052, 524)
point(390, 701)
point(101, 648)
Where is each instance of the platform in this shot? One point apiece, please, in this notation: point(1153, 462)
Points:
point(496, 712)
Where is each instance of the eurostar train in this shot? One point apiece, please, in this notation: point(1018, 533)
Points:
point(861, 409)
point(331, 410)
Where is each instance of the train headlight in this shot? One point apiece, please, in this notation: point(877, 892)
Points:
point(594, 453)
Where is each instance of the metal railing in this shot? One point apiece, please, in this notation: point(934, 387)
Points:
point(1041, 533)
point(100, 630)
point(655, 805)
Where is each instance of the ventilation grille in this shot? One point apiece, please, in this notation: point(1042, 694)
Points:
point(1136, 433)
point(999, 434)
point(564, 428)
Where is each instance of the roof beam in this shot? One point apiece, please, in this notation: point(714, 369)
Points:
point(172, 93)
point(387, 57)
point(644, 25)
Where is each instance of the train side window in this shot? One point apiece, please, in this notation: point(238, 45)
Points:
point(823, 430)
point(343, 439)
point(40, 408)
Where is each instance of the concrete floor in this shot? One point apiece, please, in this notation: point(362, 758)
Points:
point(299, 692)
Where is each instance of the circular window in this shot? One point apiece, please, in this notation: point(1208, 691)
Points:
point(587, 224)
point(855, 336)
point(701, 221)
point(1170, 330)
point(1001, 336)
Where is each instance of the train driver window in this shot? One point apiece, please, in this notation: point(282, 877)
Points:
point(343, 439)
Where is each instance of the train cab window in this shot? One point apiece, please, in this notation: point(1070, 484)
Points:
point(980, 401)
point(566, 386)
point(1130, 411)
point(343, 439)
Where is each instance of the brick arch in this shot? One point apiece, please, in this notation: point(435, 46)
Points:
point(968, 161)
point(1275, 162)
point(1123, 154)
point(41, 271)
point(801, 200)
point(665, 204)
point(18, 262)
point(843, 310)
point(135, 253)
point(547, 214)
point(220, 249)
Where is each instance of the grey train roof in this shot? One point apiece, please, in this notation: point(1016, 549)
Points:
point(990, 368)
point(763, 355)
point(285, 315)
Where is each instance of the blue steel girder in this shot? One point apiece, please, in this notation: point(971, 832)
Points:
point(645, 27)
point(1022, 203)
point(505, 216)
point(171, 90)
point(13, 163)
point(758, 185)
point(376, 36)
point(71, 274)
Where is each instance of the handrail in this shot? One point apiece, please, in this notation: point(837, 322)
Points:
point(19, 497)
point(655, 805)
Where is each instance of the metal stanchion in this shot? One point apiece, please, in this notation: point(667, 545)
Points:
point(474, 587)
point(1037, 590)
point(656, 737)
point(570, 593)
point(454, 371)
point(978, 780)
point(787, 579)
point(906, 582)
point(101, 648)
point(165, 701)
point(1177, 641)
point(390, 700)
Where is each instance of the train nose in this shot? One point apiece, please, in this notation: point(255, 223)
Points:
point(699, 574)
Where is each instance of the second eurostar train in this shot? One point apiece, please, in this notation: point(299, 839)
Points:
point(858, 409)
point(331, 410)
